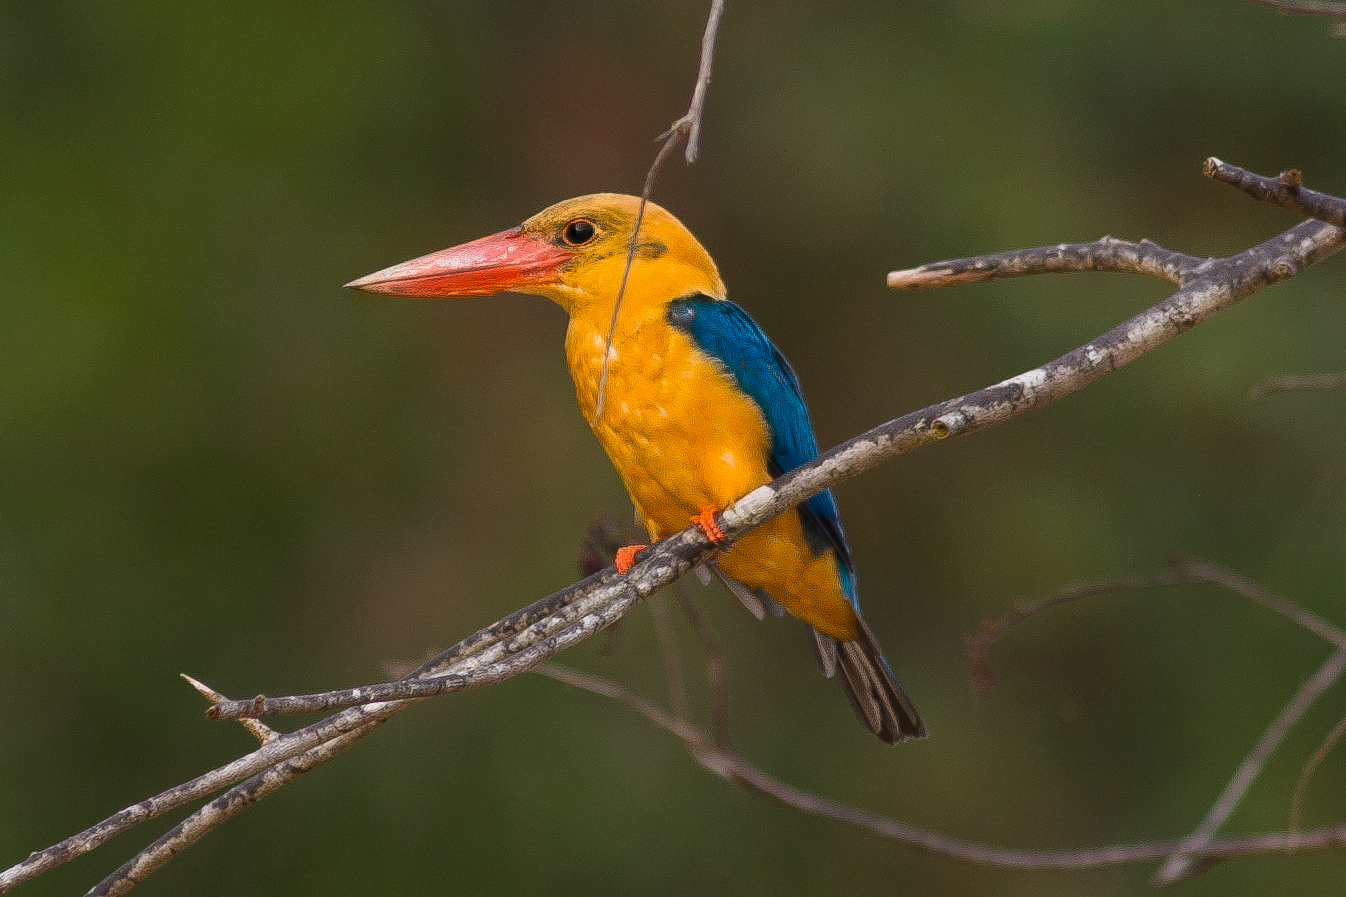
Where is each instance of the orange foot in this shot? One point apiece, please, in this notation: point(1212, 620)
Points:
point(626, 557)
point(705, 521)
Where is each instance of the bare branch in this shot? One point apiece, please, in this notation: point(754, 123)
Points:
point(1104, 254)
point(715, 679)
point(221, 810)
point(254, 727)
point(668, 653)
point(1332, 8)
point(1306, 774)
point(1287, 383)
point(1218, 285)
point(535, 633)
point(692, 120)
point(1328, 632)
point(1192, 858)
point(1185, 571)
point(977, 645)
point(1286, 191)
point(728, 764)
point(688, 127)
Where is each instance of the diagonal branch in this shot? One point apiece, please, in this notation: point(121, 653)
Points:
point(1287, 190)
point(1209, 288)
point(1192, 858)
point(537, 632)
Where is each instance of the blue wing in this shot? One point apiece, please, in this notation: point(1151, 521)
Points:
point(725, 332)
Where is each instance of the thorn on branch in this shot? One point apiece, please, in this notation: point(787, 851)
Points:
point(254, 727)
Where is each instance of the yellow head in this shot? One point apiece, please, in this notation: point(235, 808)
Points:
point(573, 253)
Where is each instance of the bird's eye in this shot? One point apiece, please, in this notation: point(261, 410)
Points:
point(579, 232)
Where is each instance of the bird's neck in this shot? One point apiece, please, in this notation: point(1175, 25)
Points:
point(637, 352)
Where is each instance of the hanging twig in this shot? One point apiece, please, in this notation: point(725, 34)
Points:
point(688, 127)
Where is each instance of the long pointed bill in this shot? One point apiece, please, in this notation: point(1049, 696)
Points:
point(509, 260)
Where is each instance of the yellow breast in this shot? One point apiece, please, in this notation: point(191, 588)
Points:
point(678, 430)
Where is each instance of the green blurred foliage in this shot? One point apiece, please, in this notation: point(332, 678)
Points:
point(213, 460)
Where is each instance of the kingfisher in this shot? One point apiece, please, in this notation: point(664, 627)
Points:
point(694, 405)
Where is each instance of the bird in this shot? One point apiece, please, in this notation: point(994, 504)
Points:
point(696, 408)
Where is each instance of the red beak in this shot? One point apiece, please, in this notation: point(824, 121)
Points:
point(509, 260)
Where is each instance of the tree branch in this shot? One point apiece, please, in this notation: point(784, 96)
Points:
point(1293, 382)
point(537, 632)
point(730, 765)
point(1286, 191)
point(1191, 858)
point(1208, 287)
point(1335, 9)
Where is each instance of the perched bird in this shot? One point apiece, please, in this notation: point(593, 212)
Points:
point(698, 409)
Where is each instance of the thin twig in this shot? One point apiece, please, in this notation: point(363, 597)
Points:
point(692, 120)
point(254, 727)
point(670, 143)
point(1306, 774)
point(1192, 858)
point(688, 127)
point(1328, 632)
point(977, 645)
point(668, 652)
point(1287, 191)
point(1332, 8)
point(1286, 383)
point(715, 678)
point(728, 764)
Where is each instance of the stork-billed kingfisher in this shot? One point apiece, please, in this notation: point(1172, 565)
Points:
point(699, 409)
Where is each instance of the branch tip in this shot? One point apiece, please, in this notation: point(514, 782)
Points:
point(204, 690)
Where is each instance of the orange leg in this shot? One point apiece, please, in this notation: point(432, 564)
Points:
point(705, 521)
point(626, 557)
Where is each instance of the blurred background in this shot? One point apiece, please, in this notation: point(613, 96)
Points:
point(213, 460)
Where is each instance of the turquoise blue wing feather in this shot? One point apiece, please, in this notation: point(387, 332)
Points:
point(725, 332)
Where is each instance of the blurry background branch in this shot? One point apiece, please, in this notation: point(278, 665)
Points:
point(1185, 857)
point(526, 638)
point(1332, 8)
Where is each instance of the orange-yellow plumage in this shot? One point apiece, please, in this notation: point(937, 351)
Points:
point(683, 430)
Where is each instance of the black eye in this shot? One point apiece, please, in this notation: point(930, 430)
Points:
point(579, 232)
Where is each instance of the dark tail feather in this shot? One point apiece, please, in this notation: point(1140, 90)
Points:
point(876, 697)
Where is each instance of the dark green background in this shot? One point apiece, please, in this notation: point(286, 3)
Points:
point(213, 460)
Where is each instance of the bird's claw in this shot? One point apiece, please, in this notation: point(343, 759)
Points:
point(626, 557)
point(705, 521)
